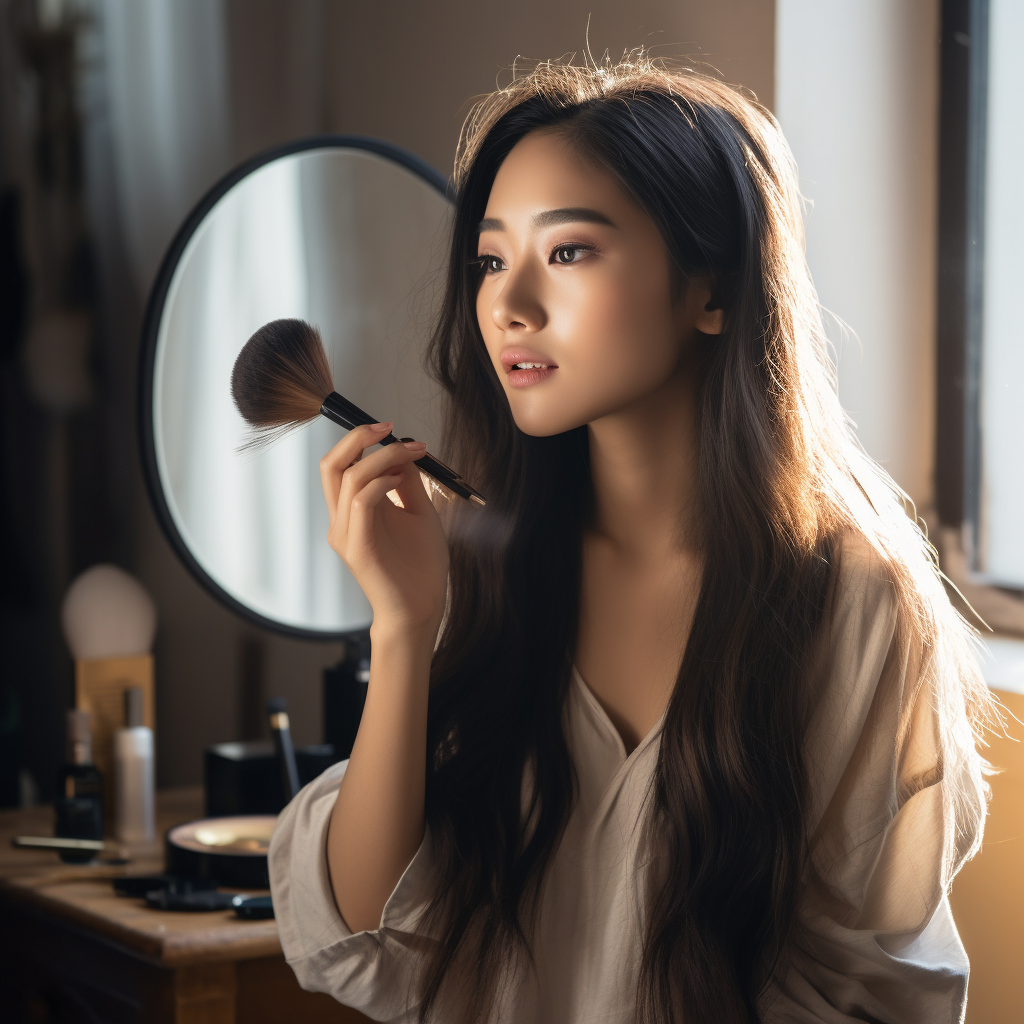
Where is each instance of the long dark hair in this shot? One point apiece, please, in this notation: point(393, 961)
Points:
point(780, 481)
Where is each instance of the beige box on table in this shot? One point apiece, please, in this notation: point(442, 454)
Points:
point(99, 689)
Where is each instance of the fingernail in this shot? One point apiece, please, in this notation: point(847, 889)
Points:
point(381, 427)
point(415, 445)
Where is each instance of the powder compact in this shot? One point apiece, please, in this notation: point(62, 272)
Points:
point(232, 850)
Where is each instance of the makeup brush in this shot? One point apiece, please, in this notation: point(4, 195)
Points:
point(280, 730)
point(282, 380)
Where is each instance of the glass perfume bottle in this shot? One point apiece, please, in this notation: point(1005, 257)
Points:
point(78, 801)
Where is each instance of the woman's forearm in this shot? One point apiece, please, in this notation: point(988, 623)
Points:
point(378, 818)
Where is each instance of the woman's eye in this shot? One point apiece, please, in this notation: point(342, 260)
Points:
point(569, 253)
point(490, 264)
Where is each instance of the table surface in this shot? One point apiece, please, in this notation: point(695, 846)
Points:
point(82, 894)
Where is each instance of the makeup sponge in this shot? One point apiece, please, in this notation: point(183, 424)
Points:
point(108, 614)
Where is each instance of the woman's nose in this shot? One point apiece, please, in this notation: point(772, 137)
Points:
point(518, 305)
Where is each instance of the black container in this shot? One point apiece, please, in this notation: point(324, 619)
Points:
point(245, 777)
point(344, 694)
point(78, 802)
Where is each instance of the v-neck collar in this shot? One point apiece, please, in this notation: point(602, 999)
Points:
point(609, 726)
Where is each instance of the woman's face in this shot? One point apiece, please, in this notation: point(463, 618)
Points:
point(577, 278)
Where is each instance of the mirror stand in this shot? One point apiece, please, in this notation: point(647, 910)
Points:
point(344, 693)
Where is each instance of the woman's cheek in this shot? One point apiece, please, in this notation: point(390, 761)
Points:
point(618, 334)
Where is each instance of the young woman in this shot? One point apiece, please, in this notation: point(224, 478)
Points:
point(681, 727)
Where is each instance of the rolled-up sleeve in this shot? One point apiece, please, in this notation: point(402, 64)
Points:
point(875, 939)
point(374, 971)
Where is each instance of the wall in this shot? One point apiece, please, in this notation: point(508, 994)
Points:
point(856, 89)
point(988, 894)
point(383, 55)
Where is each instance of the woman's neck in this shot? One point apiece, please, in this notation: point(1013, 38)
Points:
point(643, 462)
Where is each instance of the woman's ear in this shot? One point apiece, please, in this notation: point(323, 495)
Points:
point(709, 317)
point(710, 321)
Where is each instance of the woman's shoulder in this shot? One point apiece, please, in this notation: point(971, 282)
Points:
point(873, 925)
point(864, 604)
point(862, 566)
point(854, 675)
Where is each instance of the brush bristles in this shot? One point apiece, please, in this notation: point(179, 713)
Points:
point(280, 379)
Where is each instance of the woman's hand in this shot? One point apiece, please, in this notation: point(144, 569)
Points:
point(398, 556)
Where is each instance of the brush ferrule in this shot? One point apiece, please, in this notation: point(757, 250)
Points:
point(343, 412)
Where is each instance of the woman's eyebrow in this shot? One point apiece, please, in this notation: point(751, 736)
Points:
point(564, 215)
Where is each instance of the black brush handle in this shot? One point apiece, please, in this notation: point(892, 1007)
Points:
point(341, 411)
point(281, 732)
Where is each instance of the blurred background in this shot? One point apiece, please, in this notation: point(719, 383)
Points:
point(116, 116)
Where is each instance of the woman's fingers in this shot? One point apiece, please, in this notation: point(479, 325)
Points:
point(414, 490)
point(389, 460)
point(346, 452)
point(358, 475)
point(359, 532)
point(345, 473)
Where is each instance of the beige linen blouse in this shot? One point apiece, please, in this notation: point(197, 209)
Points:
point(877, 942)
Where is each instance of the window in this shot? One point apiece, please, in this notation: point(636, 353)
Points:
point(980, 435)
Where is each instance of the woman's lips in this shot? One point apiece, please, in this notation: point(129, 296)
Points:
point(524, 378)
point(518, 369)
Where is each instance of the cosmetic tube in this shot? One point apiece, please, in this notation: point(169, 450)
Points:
point(133, 767)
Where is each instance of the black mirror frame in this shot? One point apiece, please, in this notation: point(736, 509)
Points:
point(151, 326)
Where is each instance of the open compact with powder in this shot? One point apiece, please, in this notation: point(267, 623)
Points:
point(231, 850)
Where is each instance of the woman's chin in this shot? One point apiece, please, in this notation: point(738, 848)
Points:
point(546, 419)
point(536, 427)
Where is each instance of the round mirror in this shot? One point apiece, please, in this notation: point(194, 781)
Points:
point(349, 234)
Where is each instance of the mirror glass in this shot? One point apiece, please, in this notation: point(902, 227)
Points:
point(355, 242)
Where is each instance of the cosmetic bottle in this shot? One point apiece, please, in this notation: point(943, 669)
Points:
point(133, 770)
point(79, 797)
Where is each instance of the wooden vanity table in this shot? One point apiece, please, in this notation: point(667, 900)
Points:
point(73, 951)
